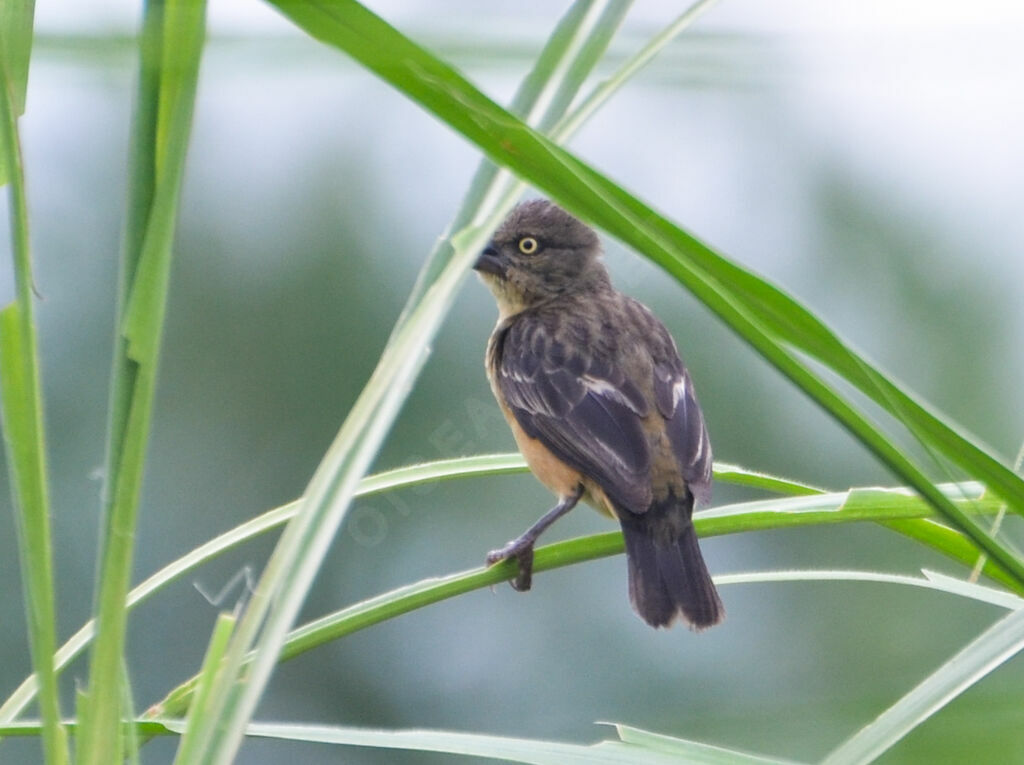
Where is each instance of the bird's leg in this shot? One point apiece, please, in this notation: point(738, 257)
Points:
point(521, 548)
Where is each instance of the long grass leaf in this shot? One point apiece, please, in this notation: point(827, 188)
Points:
point(21, 411)
point(170, 47)
point(198, 713)
point(907, 509)
point(771, 322)
point(952, 544)
point(575, 45)
point(685, 750)
point(995, 646)
point(531, 751)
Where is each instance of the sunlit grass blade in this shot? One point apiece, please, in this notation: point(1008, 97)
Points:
point(199, 714)
point(685, 750)
point(752, 516)
point(574, 47)
point(16, 35)
point(413, 475)
point(756, 480)
point(499, 464)
point(996, 645)
point(771, 322)
point(504, 748)
point(170, 48)
point(298, 554)
point(952, 544)
point(531, 751)
point(789, 513)
point(129, 733)
point(21, 413)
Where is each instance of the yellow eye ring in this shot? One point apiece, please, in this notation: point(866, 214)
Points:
point(528, 245)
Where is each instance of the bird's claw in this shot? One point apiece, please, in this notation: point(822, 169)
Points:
point(523, 553)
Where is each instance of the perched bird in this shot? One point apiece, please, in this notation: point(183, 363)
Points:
point(601, 407)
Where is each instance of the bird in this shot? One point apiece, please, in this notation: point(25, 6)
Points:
point(601, 407)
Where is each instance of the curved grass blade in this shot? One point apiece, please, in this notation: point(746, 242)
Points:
point(992, 648)
point(952, 544)
point(170, 47)
point(686, 751)
point(531, 751)
point(21, 402)
point(16, 36)
point(771, 322)
point(789, 513)
point(742, 477)
point(499, 464)
point(644, 750)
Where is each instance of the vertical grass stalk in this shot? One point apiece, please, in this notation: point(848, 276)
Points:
point(21, 409)
point(170, 48)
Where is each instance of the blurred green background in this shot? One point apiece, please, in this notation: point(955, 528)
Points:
point(868, 161)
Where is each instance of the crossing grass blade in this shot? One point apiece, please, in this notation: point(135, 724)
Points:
point(999, 643)
point(791, 512)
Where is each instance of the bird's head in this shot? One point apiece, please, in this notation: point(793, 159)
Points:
point(540, 252)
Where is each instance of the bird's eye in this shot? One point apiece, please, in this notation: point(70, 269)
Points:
point(528, 245)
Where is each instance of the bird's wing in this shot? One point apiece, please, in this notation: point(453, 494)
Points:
point(676, 401)
point(580, 406)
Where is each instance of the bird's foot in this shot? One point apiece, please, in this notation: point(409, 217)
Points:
point(522, 550)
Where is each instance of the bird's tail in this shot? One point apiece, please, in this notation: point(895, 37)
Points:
point(667, 574)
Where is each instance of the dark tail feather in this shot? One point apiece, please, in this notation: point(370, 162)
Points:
point(667, 574)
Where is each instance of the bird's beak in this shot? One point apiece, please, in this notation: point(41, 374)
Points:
point(490, 262)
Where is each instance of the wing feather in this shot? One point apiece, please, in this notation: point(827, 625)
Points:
point(578, 409)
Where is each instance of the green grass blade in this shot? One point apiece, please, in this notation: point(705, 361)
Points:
point(647, 749)
point(33, 728)
point(413, 475)
point(771, 322)
point(998, 644)
point(952, 544)
point(462, 467)
point(131, 743)
point(16, 37)
point(632, 66)
point(21, 412)
point(199, 713)
point(756, 480)
point(930, 581)
point(575, 45)
point(504, 748)
point(170, 49)
point(687, 751)
point(790, 513)
point(298, 555)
